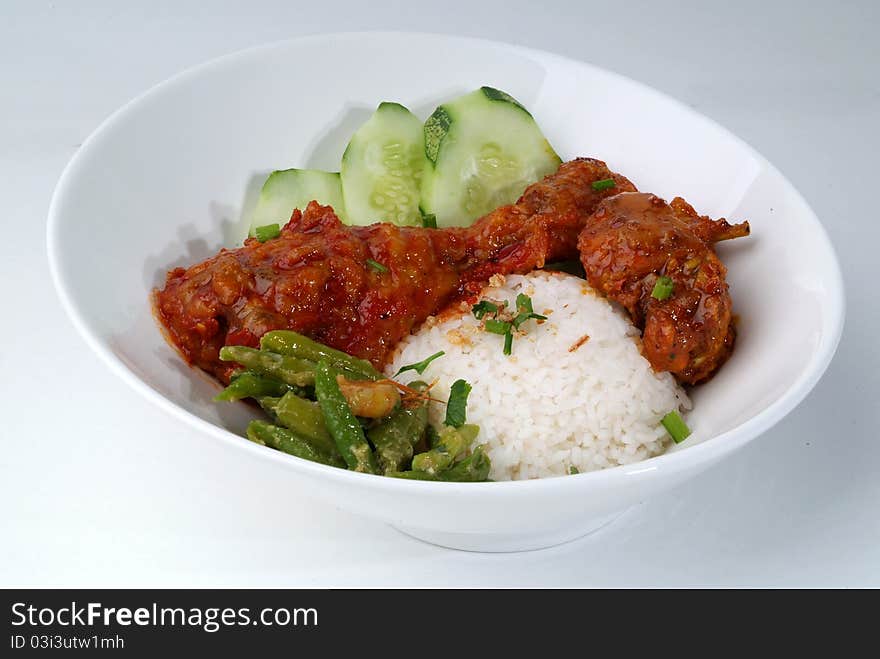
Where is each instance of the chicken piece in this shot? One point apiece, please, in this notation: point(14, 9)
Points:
point(635, 238)
point(363, 289)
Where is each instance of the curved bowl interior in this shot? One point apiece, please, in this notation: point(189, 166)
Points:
point(170, 179)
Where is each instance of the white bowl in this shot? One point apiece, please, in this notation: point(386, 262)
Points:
point(169, 179)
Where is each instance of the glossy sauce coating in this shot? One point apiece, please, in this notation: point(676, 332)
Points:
point(633, 239)
point(315, 278)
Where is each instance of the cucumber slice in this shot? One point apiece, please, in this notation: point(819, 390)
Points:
point(483, 150)
point(288, 189)
point(382, 168)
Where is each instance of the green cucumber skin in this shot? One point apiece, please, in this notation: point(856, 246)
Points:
point(497, 95)
point(436, 126)
point(382, 168)
point(287, 189)
point(472, 140)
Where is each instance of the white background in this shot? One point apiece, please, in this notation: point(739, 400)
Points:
point(97, 487)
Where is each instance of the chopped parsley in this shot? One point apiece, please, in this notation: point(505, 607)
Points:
point(526, 311)
point(523, 317)
point(497, 326)
point(480, 309)
point(497, 321)
point(524, 303)
point(456, 406)
point(419, 367)
point(604, 184)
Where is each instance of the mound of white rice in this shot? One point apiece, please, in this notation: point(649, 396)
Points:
point(575, 391)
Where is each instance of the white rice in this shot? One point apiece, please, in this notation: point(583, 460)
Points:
point(548, 407)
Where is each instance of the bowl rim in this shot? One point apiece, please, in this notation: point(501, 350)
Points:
point(705, 452)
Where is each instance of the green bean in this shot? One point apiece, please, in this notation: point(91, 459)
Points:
point(288, 441)
point(306, 418)
point(344, 427)
point(252, 385)
point(269, 405)
point(392, 445)
point(413, 475)
point(429, 441)
point(473, 469)
point(419, 414)
point(469, 432)
point(299, 372)
point(396, 437)
point(433, 461)
point(449, 445)
point(293, 344)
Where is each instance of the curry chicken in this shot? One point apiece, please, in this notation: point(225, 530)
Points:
point(362, 289)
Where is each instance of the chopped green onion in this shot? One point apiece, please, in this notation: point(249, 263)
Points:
point(420, 367)
point(573, 470)
point(480, 309)
point(676, 427)
point(524, 303)
point(375, 265)
point(456, 406)
point(663, 288)
point(508, 343)
point(604, 184)
point(429, 221)
point(497, 326)
point(267, 232)
point(523, 317)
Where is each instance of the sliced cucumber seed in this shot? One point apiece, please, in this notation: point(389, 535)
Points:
point(496, 179)
point(483, 150)
point(382, 168)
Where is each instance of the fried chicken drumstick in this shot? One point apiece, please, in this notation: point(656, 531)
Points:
point(363, 289)
point(630, 242)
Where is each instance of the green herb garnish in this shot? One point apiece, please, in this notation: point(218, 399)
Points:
point(523, 317)
point(497, 326)
point(508, 343)
point(524, 303)
point(676, 427)
point(526, 312)
point(573, 470)
point(375, 265)
point(456, 406)
point(419, 367)
point(604, 184)
point(429, 221)
point(480, 309)
point(267, 232)
point(663, 288)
